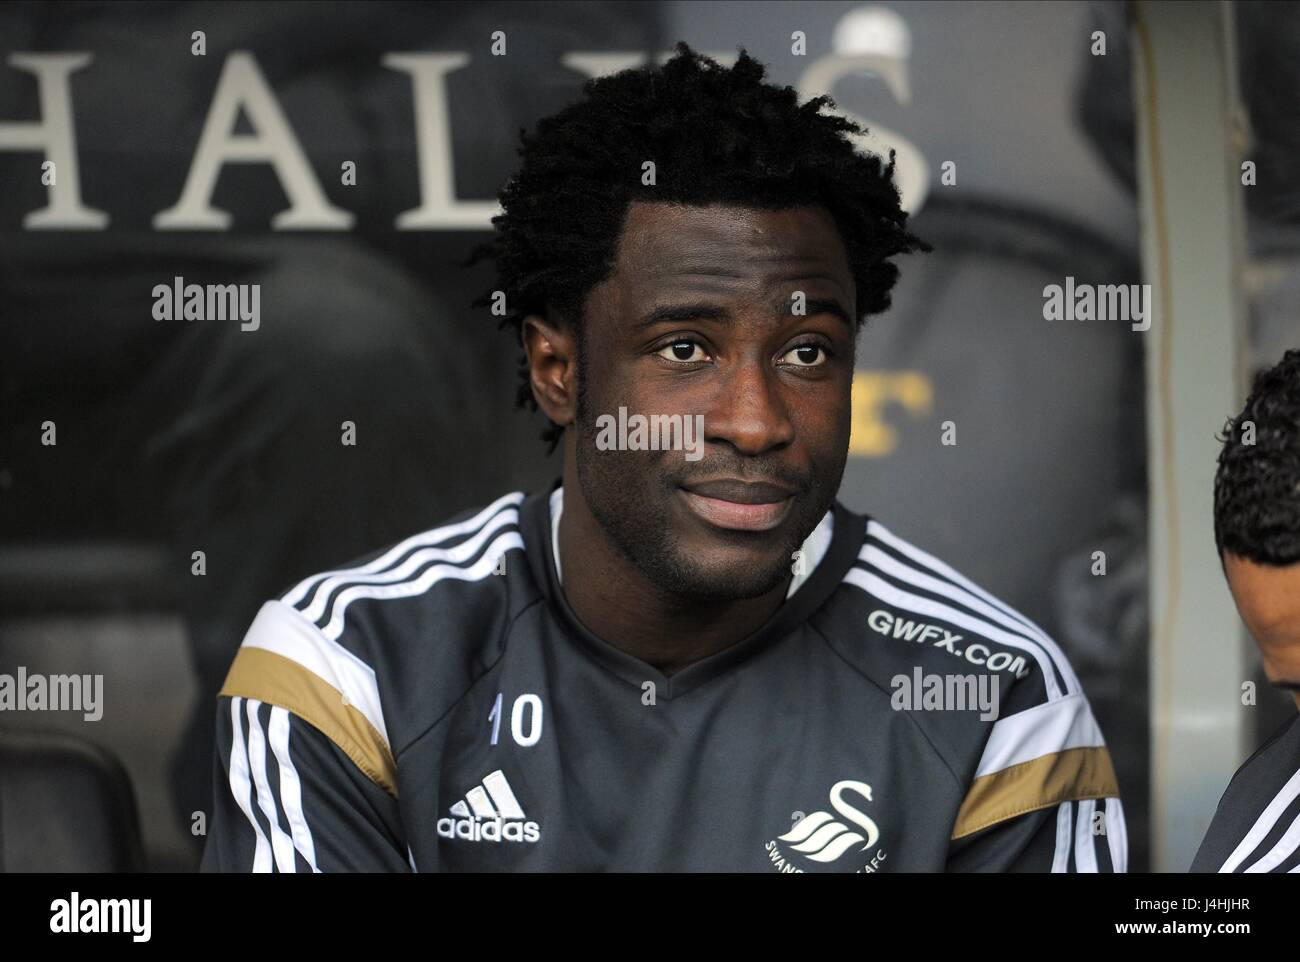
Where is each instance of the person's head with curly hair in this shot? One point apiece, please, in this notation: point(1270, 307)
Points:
point(1257, 517)
point(688, 239)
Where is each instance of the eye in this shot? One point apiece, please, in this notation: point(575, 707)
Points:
point(807, 355)
point(683, 351)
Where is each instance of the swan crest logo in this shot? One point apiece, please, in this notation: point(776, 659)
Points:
point(821, 837)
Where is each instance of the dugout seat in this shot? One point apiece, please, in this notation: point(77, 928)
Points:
point(66, 805)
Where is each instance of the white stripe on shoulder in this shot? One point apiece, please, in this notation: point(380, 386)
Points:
point(1085, 854)
point(1280, 852)
point(241, 787)
point(1064, 837)
point(890, 565)
point(1117, 835)
point(282, 629)
point(483, 568)
point(1053, 726)
point(1264, 824)
point(878, 587)
point(934, 564)
point(280, 842)
point(431, 537)
point(291, 787)
point(455, 555)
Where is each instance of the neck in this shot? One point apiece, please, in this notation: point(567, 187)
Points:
point(615, 601)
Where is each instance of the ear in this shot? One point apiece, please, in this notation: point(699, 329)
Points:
point(552, 352)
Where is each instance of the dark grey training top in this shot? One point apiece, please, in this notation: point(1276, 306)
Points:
point(439, 706)
point(1256, 827)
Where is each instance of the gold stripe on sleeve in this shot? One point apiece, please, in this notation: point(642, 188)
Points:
point(265, 676)
point(1069, 775)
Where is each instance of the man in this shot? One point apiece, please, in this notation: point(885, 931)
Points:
point(687, 656)
point(1256, 827)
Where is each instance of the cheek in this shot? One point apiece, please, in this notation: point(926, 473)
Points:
point(616, 375)
point(647, 395)
point(824, 419)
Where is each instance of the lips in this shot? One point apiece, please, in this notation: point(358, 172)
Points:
point(739, 505)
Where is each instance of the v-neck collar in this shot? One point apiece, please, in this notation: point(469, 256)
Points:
point(829, 551)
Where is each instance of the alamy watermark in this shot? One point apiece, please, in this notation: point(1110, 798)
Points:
point(1093, 302)
point(75, 915)
point(654, 432)
point(920, 691)
point(209, 302)
point(36, 692)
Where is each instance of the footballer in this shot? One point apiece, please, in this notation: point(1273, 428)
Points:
point(667, 662)
point(1257, 530)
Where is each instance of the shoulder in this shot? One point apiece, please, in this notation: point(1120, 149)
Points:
point(905, 608)
point(344, 647)
point(1246, 833)
point(441, 569)
point(992, 690)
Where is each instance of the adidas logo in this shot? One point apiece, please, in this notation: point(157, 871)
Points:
point(489, 813)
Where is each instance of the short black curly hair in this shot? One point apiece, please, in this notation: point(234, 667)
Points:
point(1257, 485)
point(715, 135)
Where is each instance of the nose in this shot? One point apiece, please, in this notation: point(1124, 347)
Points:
point(749, 412)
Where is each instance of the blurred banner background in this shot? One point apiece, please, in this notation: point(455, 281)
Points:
point(175, 437)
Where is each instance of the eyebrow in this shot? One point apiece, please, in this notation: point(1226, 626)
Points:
point(712, 312)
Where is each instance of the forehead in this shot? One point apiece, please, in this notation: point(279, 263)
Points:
point(662, 240)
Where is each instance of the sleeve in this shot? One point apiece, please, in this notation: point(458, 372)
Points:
point(289, 799)
point(1072, 836)
point(1044, 797)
